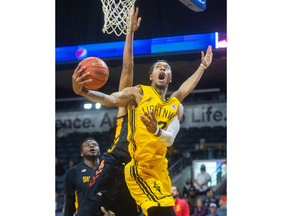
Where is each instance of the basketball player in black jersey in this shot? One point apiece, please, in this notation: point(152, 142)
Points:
point(77, 177)
point(107, 188)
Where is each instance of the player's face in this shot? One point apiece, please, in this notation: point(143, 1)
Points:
point(174, 192)
point(90, 148)
point(161, 75)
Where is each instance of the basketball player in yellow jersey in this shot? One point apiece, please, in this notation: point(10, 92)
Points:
point(153, 125)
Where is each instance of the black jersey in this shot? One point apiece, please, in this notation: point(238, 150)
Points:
point(107, 186)
point(120, 148)
point(76, 181)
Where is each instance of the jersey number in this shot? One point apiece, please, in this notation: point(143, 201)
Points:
point(163, 124)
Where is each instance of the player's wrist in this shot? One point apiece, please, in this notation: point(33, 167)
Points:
point(158, 132)
point(203, 66)
point(79, 92)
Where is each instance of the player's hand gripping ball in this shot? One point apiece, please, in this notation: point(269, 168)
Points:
point(99, 72)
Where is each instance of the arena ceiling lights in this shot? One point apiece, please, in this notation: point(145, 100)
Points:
point(89, 105)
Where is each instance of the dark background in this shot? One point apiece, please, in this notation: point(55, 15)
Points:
point(81, 22)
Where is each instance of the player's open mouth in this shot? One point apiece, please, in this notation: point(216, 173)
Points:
point(161, 77)
point(93, 150)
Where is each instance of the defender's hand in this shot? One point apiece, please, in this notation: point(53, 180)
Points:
point(151, 123)
point(134, 22)
point(207, 59)
point(77, 82)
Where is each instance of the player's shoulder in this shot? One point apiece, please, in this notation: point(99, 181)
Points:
point(181, 107)
point(81, 166)
point(76, 168)
point(131, 89)
point(180, 111)
point(71, 172)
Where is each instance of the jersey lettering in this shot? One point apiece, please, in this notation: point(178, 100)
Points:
point(158, 111)
point(142, 143)
point(86, 178)
point(163, 124)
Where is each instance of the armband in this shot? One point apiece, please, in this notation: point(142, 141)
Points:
point(158, 132)
point(203, 66)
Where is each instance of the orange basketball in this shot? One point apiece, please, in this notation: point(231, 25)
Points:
point(99, 72)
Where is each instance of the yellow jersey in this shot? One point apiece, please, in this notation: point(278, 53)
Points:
point(146, 149)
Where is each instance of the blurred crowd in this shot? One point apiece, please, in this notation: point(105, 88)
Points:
point(194, 203)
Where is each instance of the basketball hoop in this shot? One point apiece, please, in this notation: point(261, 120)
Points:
point(117, 16)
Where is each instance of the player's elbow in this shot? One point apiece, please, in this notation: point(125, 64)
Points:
point(110, 102)
point(169, 143)
point(168, 139)
point(108, 105)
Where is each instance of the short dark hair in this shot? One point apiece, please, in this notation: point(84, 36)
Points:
point(176, 187)
point(152, 67)
point(89, 138)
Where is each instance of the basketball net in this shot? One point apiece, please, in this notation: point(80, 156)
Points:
point(117, 16)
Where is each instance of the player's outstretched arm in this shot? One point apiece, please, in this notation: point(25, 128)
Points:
point(126, 79)
point(118, 99)
point(193, 80)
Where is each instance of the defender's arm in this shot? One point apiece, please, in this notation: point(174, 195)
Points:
point(126, 79)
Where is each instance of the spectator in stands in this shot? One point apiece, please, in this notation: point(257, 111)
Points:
point(211, 199)
point(181, 207)
point(208, 150)
point(58, 205)
point(222, 210)
point(222, 173)
point(200, 149)
point(186, 199)
point(223, 201)
point(71, 164)
point(58, 168)
point(201, 180)
point(202, 143)
point(63, 131)
point(213, 210)
point(192, 199)
point(172, 155)
point(200, 209)
point(187, 186)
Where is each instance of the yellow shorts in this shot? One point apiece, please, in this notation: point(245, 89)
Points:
point(149, 187)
